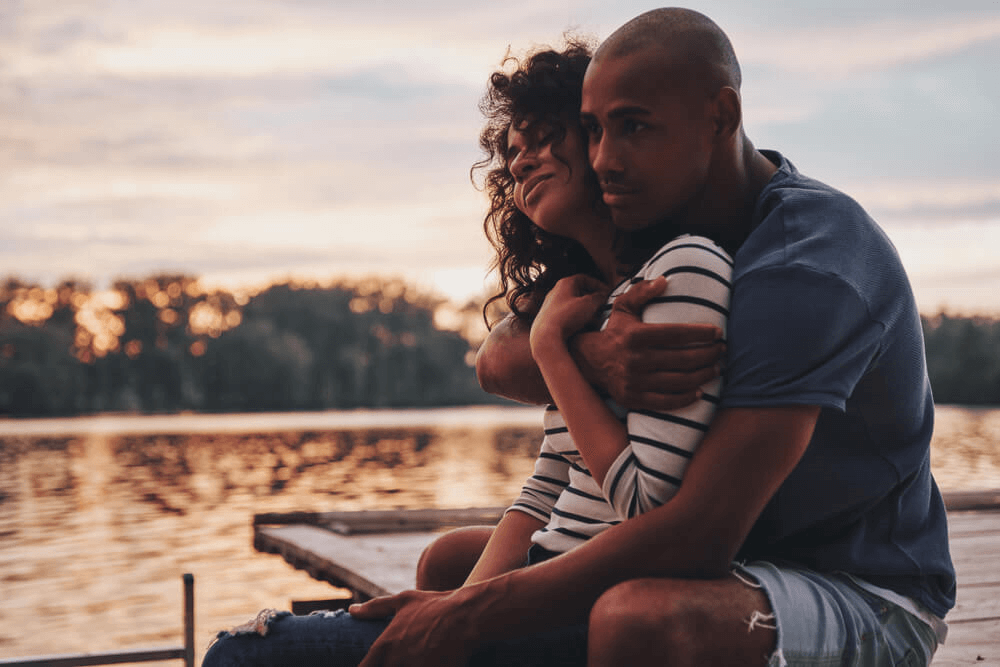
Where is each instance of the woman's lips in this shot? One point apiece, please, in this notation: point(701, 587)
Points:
point(533, 183)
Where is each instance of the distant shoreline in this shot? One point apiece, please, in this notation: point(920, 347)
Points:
point(111, 423)
point(190, 422)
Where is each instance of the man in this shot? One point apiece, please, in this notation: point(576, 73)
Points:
point(814, 476)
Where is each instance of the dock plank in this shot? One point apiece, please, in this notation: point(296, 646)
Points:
point(369, 565)
point(972, 643)
point(340, 548)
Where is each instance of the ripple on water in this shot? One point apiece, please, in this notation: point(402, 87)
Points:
point(97, 526)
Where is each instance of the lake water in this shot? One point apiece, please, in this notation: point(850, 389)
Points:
point(99, 517)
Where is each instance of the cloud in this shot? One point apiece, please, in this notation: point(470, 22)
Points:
point(254, 139)
point(862, 43)
point(931, 201)
point(262, 39)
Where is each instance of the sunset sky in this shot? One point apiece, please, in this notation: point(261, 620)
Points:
point(252, 140)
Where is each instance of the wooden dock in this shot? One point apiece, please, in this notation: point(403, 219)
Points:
point(375, 553)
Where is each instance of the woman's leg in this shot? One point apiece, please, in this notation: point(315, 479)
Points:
point(335, 639)
point(327, 638)
point(446, 563)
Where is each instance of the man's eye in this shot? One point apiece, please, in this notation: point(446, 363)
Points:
point(631, 126)
point(592, 130)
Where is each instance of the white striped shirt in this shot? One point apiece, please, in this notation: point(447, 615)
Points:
point(647, 473)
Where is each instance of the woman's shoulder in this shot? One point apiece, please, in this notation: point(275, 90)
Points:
point(689, 250)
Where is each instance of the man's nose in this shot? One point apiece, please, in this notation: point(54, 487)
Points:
point(604, 158)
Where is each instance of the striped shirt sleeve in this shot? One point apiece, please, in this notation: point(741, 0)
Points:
point(649, 471)
point(551, 476)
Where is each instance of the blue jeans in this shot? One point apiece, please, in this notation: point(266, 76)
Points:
point(336, 639)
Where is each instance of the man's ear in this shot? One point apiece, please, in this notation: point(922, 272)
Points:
point(727, 112)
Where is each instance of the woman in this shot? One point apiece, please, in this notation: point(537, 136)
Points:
point(557, 253)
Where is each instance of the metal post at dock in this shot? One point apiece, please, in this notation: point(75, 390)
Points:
point(188, 619)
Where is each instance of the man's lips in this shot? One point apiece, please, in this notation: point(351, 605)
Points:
point(616, 194)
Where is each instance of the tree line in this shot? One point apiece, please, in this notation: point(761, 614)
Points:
point(963, 359)
point(165, 344)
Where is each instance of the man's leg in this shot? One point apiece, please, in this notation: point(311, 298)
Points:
point(763, 614)
point(447, 561)
point(681, 622)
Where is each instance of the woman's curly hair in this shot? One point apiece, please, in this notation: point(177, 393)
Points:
point(543, 88)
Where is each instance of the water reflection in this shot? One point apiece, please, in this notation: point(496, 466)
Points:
point(97, 527)
point(965, 452)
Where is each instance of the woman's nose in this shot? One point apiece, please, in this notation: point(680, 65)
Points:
point(524, 163)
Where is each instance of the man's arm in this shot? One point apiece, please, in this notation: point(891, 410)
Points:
point(743, 460)
point(642, 366)
point(504, 364)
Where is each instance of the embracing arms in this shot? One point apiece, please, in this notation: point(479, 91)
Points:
point(639, 463)
point(739, 466)
point(642, 366)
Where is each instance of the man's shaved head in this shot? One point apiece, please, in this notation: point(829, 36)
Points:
point(686, 38)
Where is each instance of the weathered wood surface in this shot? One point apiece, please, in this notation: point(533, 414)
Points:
point(385, 521)
point(344, 549)
point(974, 623)
point(368, 565)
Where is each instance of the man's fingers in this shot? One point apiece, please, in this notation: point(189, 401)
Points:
point(678, 360)
point(657, 402)
point(376, 608)
point(639, 294)
point(671, 382)
point(675, 334)
point(666, 390)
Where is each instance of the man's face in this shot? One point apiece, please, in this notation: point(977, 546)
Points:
point(650, 138)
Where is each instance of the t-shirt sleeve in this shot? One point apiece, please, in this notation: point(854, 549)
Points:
point(649, 470)
point(797, 336)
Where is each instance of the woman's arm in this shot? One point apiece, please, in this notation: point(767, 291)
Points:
point(507, 548)
point(649, 470)
point(639, 466)
point(570, 305)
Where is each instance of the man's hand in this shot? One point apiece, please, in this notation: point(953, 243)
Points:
point(649, 366)
point(426, 630)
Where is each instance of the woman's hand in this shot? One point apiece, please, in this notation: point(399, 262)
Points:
point(568, 307)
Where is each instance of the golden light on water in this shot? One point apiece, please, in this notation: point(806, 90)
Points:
point(104, 514)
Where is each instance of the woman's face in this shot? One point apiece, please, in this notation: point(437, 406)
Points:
point(551, 184)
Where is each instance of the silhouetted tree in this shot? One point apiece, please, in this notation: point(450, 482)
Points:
point(963, 359)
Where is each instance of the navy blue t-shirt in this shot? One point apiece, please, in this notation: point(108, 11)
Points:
point(823, 314)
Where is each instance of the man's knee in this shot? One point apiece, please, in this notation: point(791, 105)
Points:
point(693, 621)
point(624, 614)
point(447, 561)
